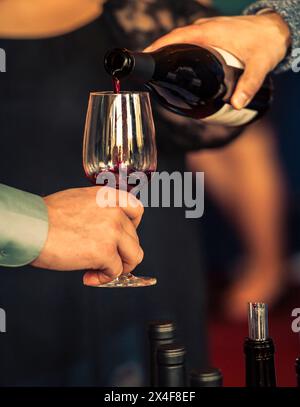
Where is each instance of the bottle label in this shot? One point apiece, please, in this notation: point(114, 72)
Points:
point(228, 116)
point(230, 59)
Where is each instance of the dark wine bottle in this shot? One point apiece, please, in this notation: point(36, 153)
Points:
point(192, 81)
point(298, 371)
point(206, 378)
point(259, 349)
point(160, 333)
point(171, 371)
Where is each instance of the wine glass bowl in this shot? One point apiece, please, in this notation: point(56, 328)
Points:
point(119, 133)
point(119, 137)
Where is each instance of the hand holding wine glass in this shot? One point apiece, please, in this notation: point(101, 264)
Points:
point(84, 236)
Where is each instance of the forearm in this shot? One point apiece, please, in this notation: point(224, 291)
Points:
point(290, 12)
point(23, 226)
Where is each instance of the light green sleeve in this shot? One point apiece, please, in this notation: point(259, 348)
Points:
point(23, 226)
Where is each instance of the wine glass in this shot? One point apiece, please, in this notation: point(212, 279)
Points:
point(120, 135)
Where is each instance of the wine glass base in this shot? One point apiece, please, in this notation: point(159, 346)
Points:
point(129, 280)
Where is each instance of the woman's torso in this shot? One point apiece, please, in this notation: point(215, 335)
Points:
point(71, 334)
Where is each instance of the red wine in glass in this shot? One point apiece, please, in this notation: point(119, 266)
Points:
point(125, 178)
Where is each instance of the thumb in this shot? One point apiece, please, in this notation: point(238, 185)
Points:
point(249, 84)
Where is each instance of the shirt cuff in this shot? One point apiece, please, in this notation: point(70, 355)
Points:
point(289, 11)
point(23, 226)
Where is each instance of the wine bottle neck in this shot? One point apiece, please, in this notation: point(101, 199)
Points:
point(121, 63)
point(143, 66)
point(260, 368)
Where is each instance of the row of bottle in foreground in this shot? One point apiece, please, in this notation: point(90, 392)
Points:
point(167, 357)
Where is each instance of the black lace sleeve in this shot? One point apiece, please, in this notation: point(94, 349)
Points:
point(139, 22)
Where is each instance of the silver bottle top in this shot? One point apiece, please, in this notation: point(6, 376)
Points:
point(258, 321)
